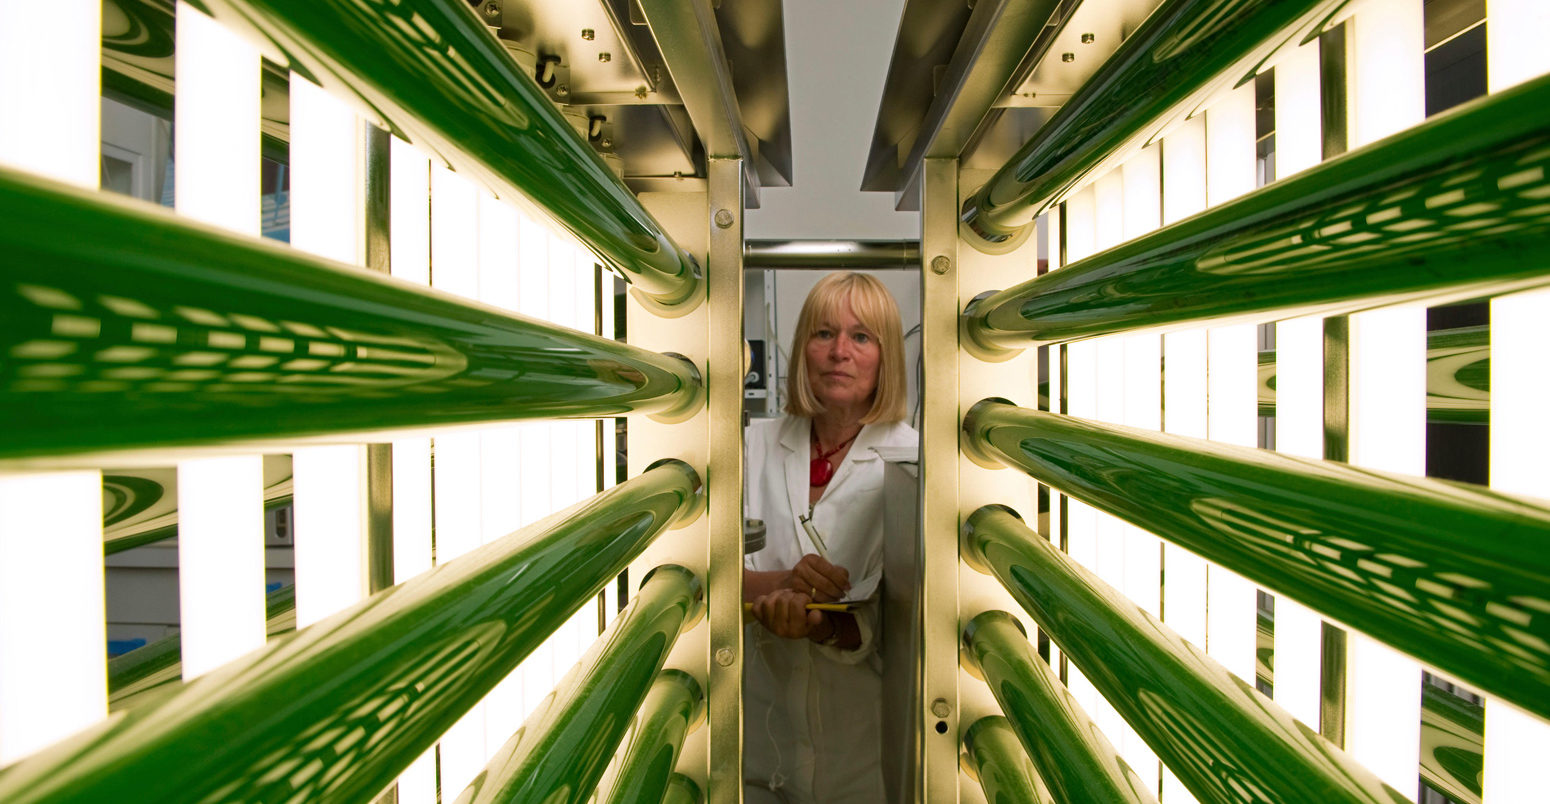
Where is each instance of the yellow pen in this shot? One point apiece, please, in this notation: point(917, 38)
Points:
point(816, 606)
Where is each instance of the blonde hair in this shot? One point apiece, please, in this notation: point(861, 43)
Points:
point(875, 308)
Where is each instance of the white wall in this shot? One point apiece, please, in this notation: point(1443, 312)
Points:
point(836, 58)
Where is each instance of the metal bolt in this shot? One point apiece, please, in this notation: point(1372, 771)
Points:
point(724, 218)
point(605, 57)
point(941, 708)
point(1088, 39)
point(1068, 57)
point(492, 10)
point(724, 657)
point(562, 90)
point(588, 34)
point(606, 143)
point(640, 92)
point(940, 264)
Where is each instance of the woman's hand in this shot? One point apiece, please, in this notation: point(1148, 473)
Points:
point(816, 578)
point(784, 613)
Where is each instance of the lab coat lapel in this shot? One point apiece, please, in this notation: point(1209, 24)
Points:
point(860, 450)
point(794, 436)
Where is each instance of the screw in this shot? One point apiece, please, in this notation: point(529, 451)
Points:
point(605, 57)
point(1088, 39)
point(492, 10)
point(562, 90)
point(1068, 57)
point(640, 92)
point(588, 34)
point(940, 265)
point(941, 708)
point(724, 218)
point(606, 143)
point(724, 657)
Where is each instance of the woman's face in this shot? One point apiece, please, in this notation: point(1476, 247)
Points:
point(842, 359)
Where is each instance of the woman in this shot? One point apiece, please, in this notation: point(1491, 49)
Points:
point(813, 682)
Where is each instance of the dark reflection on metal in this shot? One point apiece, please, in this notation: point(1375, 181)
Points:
point(1458, 376)
point(1457, 576)
point(1002, 767)
point(1073, 758)
point(1452, 740)
point(137, 52)
point(1225, 742)
point(141, 505)
point(561, 751)
point(335, 711)
point(433, 75)
point(1456, 208)
point(674, 706)
point(128, 327)
point(682, 790)
point(133, 676)
point(830, 255)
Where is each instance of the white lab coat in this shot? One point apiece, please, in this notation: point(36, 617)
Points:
point(812, 714)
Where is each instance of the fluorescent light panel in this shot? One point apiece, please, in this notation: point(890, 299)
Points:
point(1516, 742)
point(50, 88)
point(220, 500)
point(1231, 405)
point(53, 636)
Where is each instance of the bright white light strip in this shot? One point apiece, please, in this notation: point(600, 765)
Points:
point(1299, 380)
point(1516, 743)
point(1388, 389)
point(327, 213)
point(220, 560)
point(53, 637)
point(409, 216)
point(217, 124)
point(500, 448)
point(1231, 404)
point(411, 508)
point(1383, 711)
point(409, 212)
point(1516, 51)
point(327, 208)
point(330, 529)
point(50, 88)
point(1083, 366)
point(409, 219)
point(533, 275)
point(221, 515)
point(1184, 399)
point(1142, 407)
point(454, 268)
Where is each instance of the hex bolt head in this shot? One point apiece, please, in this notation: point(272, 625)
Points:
point(562, 90)
point(1088, 39)
point(1068, 57)
point(940, 264)
point(724, 657)
point(492, 10)
point(724, 218)
point(588, 34)
point(605, 57)
point(606, 143)
point(941, 708)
